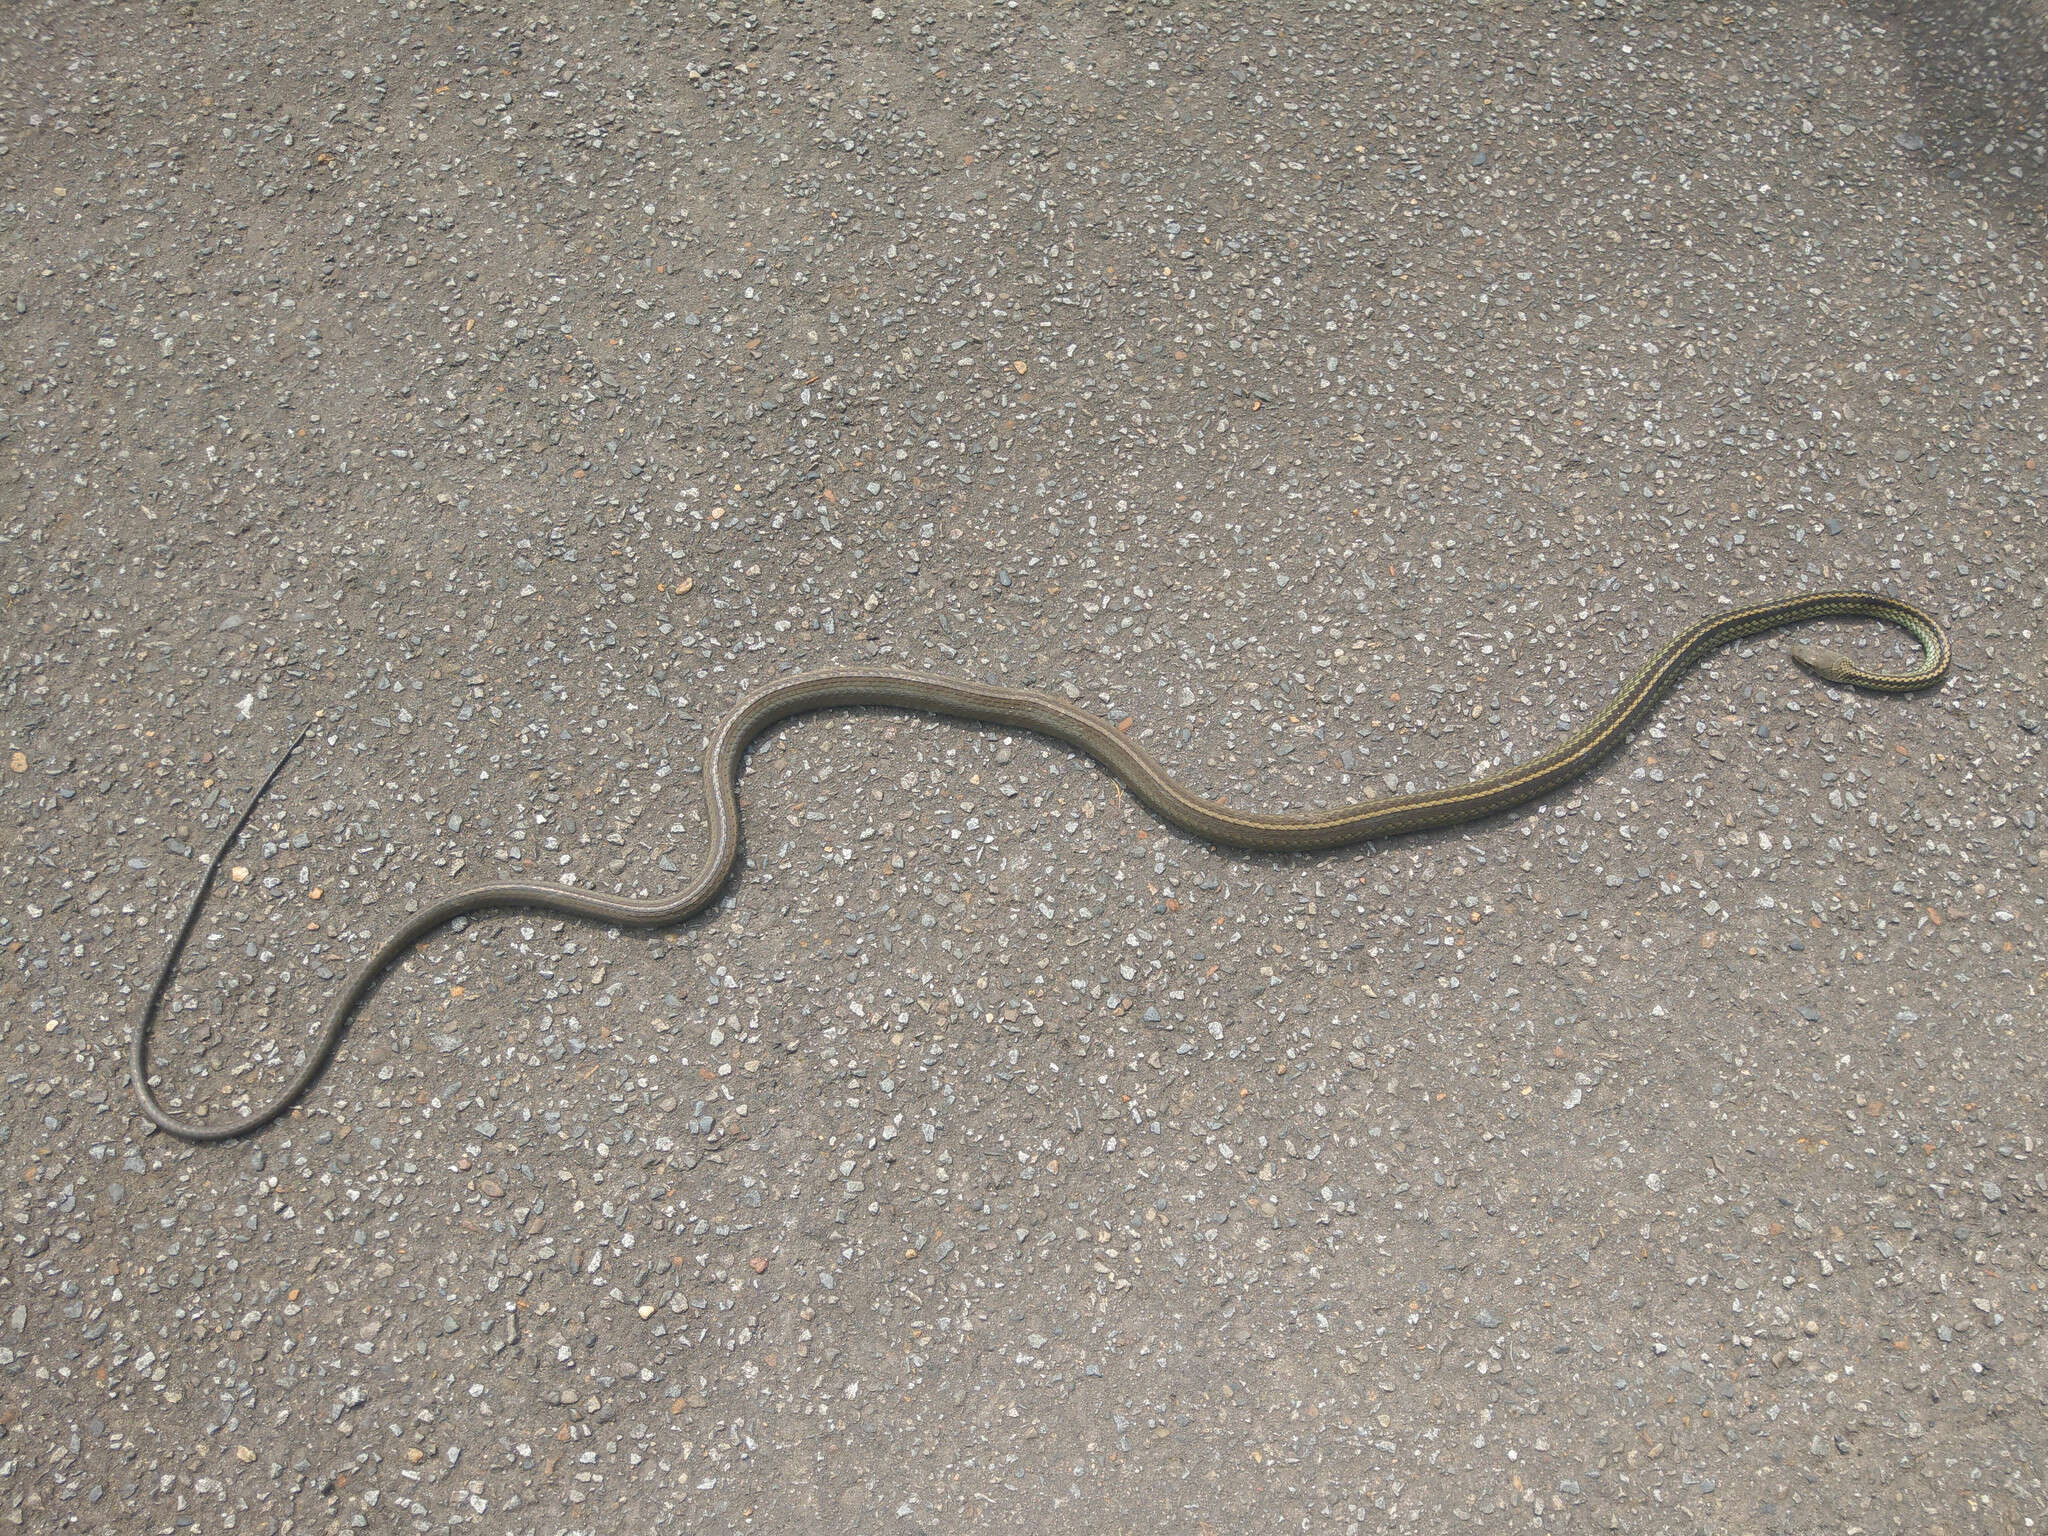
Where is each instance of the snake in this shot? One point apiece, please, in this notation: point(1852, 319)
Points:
point(1276, 832)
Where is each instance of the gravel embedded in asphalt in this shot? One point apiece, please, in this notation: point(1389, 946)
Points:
point(1345, 397)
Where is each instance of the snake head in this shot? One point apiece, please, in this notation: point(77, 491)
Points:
point(1831, 666)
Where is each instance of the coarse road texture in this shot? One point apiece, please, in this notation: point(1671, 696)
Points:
point(1343, 395)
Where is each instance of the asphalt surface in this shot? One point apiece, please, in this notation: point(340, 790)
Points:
point(1345, 396)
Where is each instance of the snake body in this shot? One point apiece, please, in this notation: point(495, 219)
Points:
point(1025, 709)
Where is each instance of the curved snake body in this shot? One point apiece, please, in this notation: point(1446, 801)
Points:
point(1024, 709)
